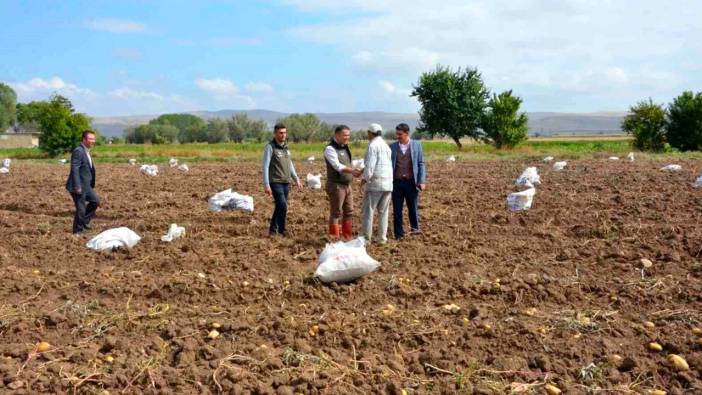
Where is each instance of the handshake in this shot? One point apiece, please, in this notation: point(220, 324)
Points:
point(356, 172)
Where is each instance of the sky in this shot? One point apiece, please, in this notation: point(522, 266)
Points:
point(132, 57)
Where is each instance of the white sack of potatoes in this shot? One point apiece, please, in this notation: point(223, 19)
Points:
point(358, 164)
point(343, 262)
point(151, 170)
point(313, 181)
point(174, 232)
point(173, 162)
point(548, 158)
point(529, 178)
point(114, 238)
point(518, 201)
point(630, 156)
point(228, 200)
point(184, 168)
point(671, 168)
point(558, 166)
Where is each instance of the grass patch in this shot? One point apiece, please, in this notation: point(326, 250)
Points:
point(565, 148)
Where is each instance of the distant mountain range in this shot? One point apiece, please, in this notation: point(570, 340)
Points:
point(540, 123)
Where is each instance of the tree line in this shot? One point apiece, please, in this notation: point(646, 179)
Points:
point(188, 128)
point(675, 127)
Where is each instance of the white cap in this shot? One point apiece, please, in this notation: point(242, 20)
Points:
point(375, 128)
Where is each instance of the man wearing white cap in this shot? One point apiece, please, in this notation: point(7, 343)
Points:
point(377, 180)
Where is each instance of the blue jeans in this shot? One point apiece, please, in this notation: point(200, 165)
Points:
point(280, 197)
point(404, 191)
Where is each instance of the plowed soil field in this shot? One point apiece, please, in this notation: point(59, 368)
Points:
point(556, 295)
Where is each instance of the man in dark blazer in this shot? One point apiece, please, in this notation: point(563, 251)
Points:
point(409, 178)
point(81, 182)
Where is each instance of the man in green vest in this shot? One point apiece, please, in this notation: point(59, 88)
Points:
point(340, 174)
point(278, 174)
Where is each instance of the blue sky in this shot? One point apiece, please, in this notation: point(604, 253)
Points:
point(149, 56)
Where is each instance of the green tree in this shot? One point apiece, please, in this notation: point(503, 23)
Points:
point(216, 131)
point(646, 122)
point(151, 133)
point(502, 124)
point(28, 114)
point(60, 126)
point(8, 106)
point(241, 128)
point(190, 128)
point(302, 127)
point(453, 103)
point(684, 123)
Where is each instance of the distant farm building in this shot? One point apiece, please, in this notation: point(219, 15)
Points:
point(15, 137)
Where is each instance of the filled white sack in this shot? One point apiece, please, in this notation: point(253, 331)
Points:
point(451, 159)
point(342, 262)
point(174, 232)
point(698, 182)
point(548, 158)
point(558, 166)
point(671, 168)
point(311, 159)
point(114, 238)
point(358, 164)
point(173, 162)
point(151, 170)
point(184, 168)
point(529, 178)
point(630, 156)
point(313, 181)
point(132, 161)
point(228, 200)
point(6, 163)
point(613, 158)
point(62, 161)
point(4, 170)
point(518, 201)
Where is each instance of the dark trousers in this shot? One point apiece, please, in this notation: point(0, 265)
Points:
point(404, 191)
point(280, 197)
point(86, 205)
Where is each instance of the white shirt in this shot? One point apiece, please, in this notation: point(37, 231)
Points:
point(404, 147)
point(333, 158)
point(378, 161)
point(87, 153)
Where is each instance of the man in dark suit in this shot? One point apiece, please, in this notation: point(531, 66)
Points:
point(81, 182)
point(409, 178)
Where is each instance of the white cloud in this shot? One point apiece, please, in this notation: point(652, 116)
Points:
point(118, 101)
point(40, 88)
point(127, 54)
point(535, 47)
point(387, 87)
point(115, 25)
point(225, 92)
point(258, 87)
point(128, 93)
point(217, 86)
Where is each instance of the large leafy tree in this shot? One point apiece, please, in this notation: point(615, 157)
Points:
point(61, 127)
point(190, 127)
point(216, 131)
point(8, 106)
point(453, 103)
point(502, 124)
point(302, 127)
point(151, 133)
point(646, 122)
point(684, 123)
point(241, 128)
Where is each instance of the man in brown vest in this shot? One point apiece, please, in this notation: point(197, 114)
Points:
point(340, 174)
